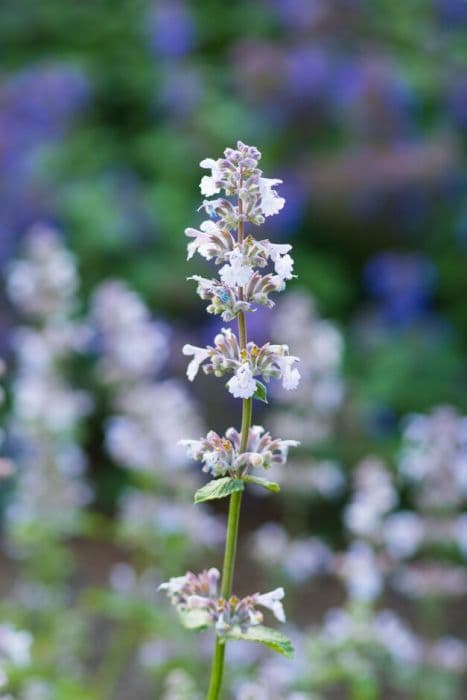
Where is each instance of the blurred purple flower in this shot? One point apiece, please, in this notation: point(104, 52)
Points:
point(451, 13)
point(307, 73)
point(300, 15)
point(172, 32)
point(370, 94)
point(181, 91)
point(37, 105)
point(402, 284)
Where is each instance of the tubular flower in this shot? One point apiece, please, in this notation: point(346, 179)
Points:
point(225, 357)
point(195, 593)
point(222, 455)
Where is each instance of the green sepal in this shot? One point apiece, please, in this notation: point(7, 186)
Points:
point(267, 636)
point(265, 483)
point(219, 488)
point(261, 393)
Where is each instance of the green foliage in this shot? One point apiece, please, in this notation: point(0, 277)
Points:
point(267, 636)
point(264, 483)
point(219, 488)
point(261, 392)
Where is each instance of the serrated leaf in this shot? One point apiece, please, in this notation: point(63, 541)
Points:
point(265, 483)
point(218, 488)
point(197, 620)
point(267, 636)
point(261, 393)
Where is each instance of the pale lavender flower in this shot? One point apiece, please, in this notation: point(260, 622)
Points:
point(210, 242)
point(449, 653)
point(403, 532)
point(434, 458)
point(361, 573)
point(193, 592)
point(226, 357)
point(132, 345)
point(242, 385)
point(397, 638)
point(43, 283)
point(221, 455)
point(141, 437)
point(373, 498)
point(46, 410)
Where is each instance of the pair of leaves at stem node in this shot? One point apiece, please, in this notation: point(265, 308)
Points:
point(221, 488)
point(198, 620)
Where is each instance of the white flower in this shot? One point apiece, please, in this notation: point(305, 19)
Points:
point(173, 585)
point(192, 447)
point(271, 203)
point(236, 273)
point(242, 385)
point(272, 601)
point(199, 355)
point(277, 249)
point(202, 239)
point(290, 374)
point(208, 184)
point(284, 266)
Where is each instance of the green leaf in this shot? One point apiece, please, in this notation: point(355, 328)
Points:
point(261, 392)
point(265, 483)
point(197, 620)
point(218, 488)
point(265, 635)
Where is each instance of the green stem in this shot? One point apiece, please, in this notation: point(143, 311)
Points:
point(217, 669)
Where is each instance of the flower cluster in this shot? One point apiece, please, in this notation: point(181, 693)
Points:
point(199, 593)
point(50, 490)
point(240, 286)
point(44, 282)
point(133, 349)
point(434, 458)
point(374, 496)
point(223, 455)
point(131, 344)
point(226, 357)
point(237, 173)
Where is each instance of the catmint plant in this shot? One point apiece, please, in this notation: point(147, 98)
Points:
point(251, 269)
